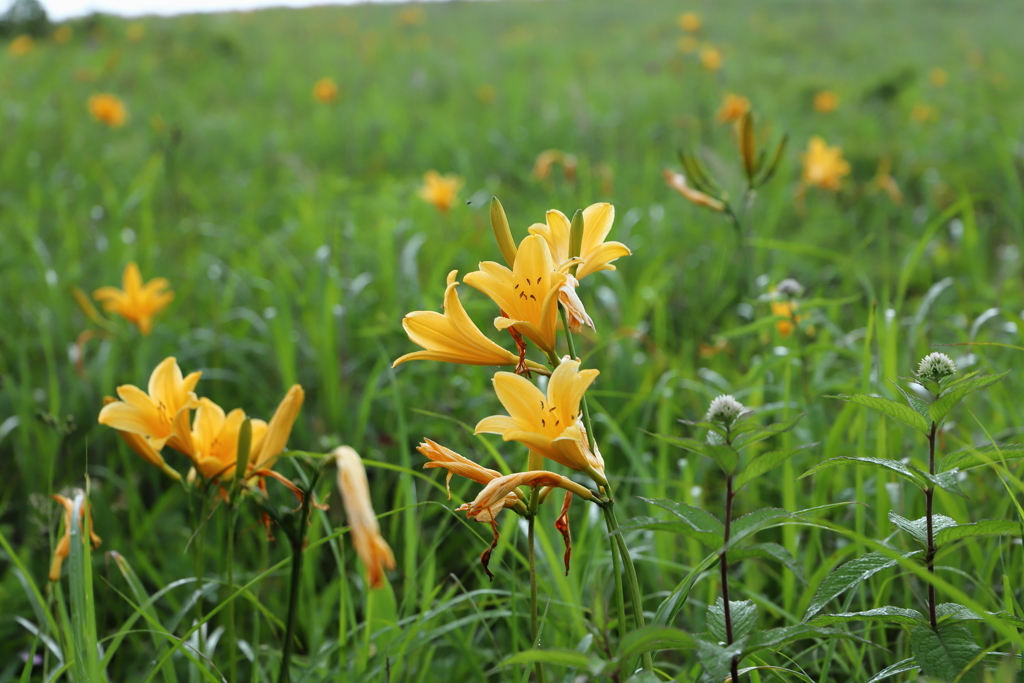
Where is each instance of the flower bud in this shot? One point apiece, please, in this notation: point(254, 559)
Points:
point(936, 366)
point(724, 409)
point(502, 233)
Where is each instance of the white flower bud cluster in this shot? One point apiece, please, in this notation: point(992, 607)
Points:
point(936, 366)
point(724, 409)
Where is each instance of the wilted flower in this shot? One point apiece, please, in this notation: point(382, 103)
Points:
point(824, 166)
point(63, 549)
point(137, 303)
point(689, 21)
point(938, 77)
point(373, 550)
point(325, 90)
point(573, 306)
point(733, 108)
point(677, 181)
point(440, 190)
point(724, 409)
point(107, 109)
point(825, 101)
point(63, 34)
point(135, 31)
point(711, 58)
point(935, 366)
point(21, 45)
point(493, 497)
point(441, 457)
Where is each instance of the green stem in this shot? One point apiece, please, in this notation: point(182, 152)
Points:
point(229, 631)
point(929, 497)
point(538, 667)
point(297, 538)
point(198, 551)
point(620, 601)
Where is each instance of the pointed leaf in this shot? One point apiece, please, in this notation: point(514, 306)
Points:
point(717, 659)
point(744, 618)
point(772, 551)
point(846, 576)
point(886, 615)
point(775, 638)
point(756, 432)
point(918, 528)
point(706, 527)
point(892, 465)
point(920, 406)
point(951, 613)
point(947, 481)
point(947, 655)
point(710, 539)
point(901, 667)
point(558, 657)
point(652, 638)
point(976, 456)
point(896, 411)
point(766, 462)
point(956, 393)
point(986, 527)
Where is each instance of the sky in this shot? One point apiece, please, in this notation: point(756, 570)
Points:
point(64, 9)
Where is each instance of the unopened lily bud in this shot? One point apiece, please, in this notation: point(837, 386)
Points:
point(677, 181)
point(748, 148)
point(936, 366)
point(724, 409)
point(502, 233)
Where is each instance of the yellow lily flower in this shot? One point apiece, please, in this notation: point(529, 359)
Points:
point(551, 425)
point(596, 254)
point(142, 446)
point(161, 415)
point(325, 90)
point(452, 337)
point(373, 550)
point(440, 190)
point(108, 109)
point(527, 295)
point(63, 549)
point(268, 440)
point(215, 440)
point(137, 303)
point(824, 166)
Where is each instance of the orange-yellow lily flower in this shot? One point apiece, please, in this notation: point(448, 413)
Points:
point(372, 549)
point(825, 101)
point(63, 549)
point(107, 109)
point(452, 337)
point(142, 446)
point(689, 21)
point(440, 190)
point(325, 90)
point(551, 425)
point(824, 166)
point(733, 108)
point(215, 439)
point(594, 251)
point(137, 303)
point(527, 295)
point(161, 415)
point(677, 181)
point(711, 58)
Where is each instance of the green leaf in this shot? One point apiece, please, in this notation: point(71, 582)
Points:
point(896, 411)
point(947, 481)
point(772, 551)
point(886, 615)
point(846, 576)
point(652, 638)
point(715, 448)
point(84, 655)
point(146, 607)
point(706, 527)
point(920, 407)
point(986, 527)
point(572, 659)
point(976, 456)
point(755, 432)
point(892, 465)
point(956, 393)
point(918, 528)
point(900, 667)
point(753, 522)
point(712, 540)
point(775, 638)
point(744, 618)
point(765, 463)
point(716, 659)
point(947, 655)
point(951, 613)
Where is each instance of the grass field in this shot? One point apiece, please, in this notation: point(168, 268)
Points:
point(294, 238)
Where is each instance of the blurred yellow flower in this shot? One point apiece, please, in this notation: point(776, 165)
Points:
point(325, 90)
point(21, 45)
point(733, 108)
point(63, 34)
point(923, 113)
point(107, 109)
point(825, 101)
point(689, 21)
point(144, 448)
point(452, 337)
point(786, 310)
point(440, 190)
point(677, 181)
point(938, 77)
point(135, 31)
point(551, 425)
point(711, 58)
point(374, 552)
point(527, 295)
point(824, 166)
point(411, 16)
point(161, 416)
point(885, 182)
point(596, 254)
point(63, 549)
point(550, 157)
point(136, 303)
point(687, 44)
point(486, 94)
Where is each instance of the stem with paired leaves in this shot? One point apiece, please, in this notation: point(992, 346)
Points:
point(929, 496)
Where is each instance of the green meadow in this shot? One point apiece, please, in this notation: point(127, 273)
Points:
point(294, 237)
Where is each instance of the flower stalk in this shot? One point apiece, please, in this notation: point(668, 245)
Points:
point(531, 553)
